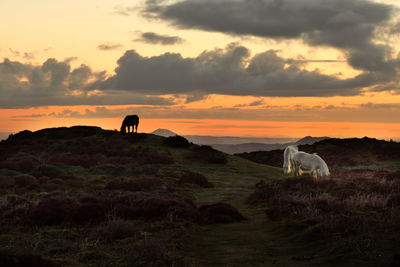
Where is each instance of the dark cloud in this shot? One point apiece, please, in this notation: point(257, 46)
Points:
point(348, 25)
point(56, 83)
point(108, 47)
point(229, 71)
point(154, 38)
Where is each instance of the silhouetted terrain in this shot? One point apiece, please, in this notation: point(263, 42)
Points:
point(85, 196)
point(73, 194)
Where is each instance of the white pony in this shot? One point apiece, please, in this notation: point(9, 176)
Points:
point(288, 166)
point(311, 162)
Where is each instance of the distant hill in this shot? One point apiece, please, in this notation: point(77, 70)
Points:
point(236, 144)
point(164, 132)
point(334, 151)
point(226, 140)
point(4, 135)
point(247, 147)
point(308, 140)
point(235, 140)
point(251, 147)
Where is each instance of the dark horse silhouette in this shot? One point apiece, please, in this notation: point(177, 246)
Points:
point(130, 120)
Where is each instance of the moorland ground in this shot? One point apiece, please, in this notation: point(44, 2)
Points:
point(84, 196)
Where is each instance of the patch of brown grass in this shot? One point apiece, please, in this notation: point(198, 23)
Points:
point(355, 203)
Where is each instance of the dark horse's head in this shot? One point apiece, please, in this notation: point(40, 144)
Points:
point(123, 128)
point(130, 121)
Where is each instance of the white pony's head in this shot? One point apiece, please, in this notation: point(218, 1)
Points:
point(324, 170)
point(286, 169)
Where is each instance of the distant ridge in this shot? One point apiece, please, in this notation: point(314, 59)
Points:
point(164, 132)
point(251, 147)
point(4, 136)
point(308, 140)
point(234, 144)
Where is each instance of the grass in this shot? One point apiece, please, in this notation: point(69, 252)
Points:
point(122, 203)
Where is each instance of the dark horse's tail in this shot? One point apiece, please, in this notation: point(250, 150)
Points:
point(130, 120)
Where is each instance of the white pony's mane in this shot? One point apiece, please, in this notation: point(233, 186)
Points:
point(287, 158)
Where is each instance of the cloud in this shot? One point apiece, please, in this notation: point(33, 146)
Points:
point(387, 106)
point(348, 25)
point(276, 113)
point(123, 11)
point(154, 38)
point(56, 83)
point(108, 47)
point(31, 116)
point(99, 112)
point(252, 104)
point(229, 71)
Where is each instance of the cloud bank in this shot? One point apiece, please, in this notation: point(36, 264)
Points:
point(229, 71)
point(54, 82)
point(348, 25)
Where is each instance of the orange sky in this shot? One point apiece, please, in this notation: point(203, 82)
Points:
point(73, 32)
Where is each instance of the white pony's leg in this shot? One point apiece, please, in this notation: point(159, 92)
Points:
point(314, 173)
point(297, 170)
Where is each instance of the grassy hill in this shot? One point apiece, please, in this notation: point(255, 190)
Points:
point(84, 196)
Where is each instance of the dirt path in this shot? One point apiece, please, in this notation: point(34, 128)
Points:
point(256, 242)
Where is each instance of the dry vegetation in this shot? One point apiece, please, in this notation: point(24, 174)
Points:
point(80, 195)
point(359, 202)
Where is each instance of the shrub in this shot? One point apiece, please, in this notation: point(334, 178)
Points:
point(89, 213)
point(195, 178)
point(207, 154)
point(393, 200)
point(176, 141)
point(157, 207)
point(153, 157)
point(118, 229)
point(50, 171)
point(219, 213)
point(135, 138)
point(25, 180)
point(53, 211)
point(149, 253)
point(20, 161)
point(136, 184)
point(7, 181)
point(19, 259)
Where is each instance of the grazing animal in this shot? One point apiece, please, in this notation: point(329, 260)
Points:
point(130, 120)
point(311, 162)
point(287, 159)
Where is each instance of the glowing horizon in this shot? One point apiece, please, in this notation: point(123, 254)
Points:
point(93, 62)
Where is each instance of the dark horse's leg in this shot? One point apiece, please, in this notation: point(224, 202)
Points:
point(136, 128)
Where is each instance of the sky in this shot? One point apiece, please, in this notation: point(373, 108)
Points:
point(266, 68)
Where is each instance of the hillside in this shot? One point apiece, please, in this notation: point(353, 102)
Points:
point(250, 147)
point(336, 152)
point(83, 196)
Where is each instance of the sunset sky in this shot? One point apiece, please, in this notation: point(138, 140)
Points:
point(267, 68)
